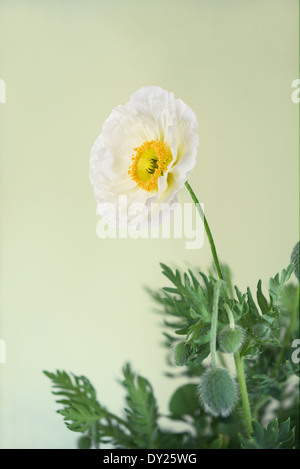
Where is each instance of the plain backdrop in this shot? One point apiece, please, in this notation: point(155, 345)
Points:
point(69, 300)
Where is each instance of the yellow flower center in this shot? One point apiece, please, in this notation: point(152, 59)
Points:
point(149, 162)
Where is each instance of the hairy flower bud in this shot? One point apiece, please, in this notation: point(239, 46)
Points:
point(230, 340)
point(295, 259)
point(217, 392)
point(261, 331)
point(181, 353)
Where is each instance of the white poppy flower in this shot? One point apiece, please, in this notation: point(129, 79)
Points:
point(142, 158)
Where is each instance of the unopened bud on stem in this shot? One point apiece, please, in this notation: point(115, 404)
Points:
point(217, 392)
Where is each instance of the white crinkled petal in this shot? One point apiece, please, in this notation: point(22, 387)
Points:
point(188, 142)
point(151, 114)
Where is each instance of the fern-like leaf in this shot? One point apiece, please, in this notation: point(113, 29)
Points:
point(142, 411)
point(275, 436)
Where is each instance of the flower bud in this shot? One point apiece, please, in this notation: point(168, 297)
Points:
point(181, 353)
point(217, 392)
point(261, 331)
point(295, 259)
point(230, 340)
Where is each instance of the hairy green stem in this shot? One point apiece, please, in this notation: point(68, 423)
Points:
point(289, 331)
point(230, 316)
point(94, 434)
point(238, 360)
point(207, 229)
point(291, 326)
point(214, 323)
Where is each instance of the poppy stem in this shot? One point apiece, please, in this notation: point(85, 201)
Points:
point(214, 323)
point(239, 366)
point(237, 358)
point(230, 316)
point(207, 229)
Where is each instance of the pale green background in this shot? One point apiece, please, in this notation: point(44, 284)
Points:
point(70, 300)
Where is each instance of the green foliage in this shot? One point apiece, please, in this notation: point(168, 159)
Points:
point(295, 259)
point(275, 436)
point(188, 302)
point(267, 325)
point(78, 396)
point(83, 413)
point(138, 429)
point(142, 411)
point(277, 283)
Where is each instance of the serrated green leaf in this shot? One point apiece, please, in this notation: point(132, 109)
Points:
point(253, 308)
point(276, 284)
point(284, 429)
point(275, 436)
point(258, 431)
point(194, 314)
point(261, 299)
point(202, 353)
point(171, 290)
point(142, 410)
